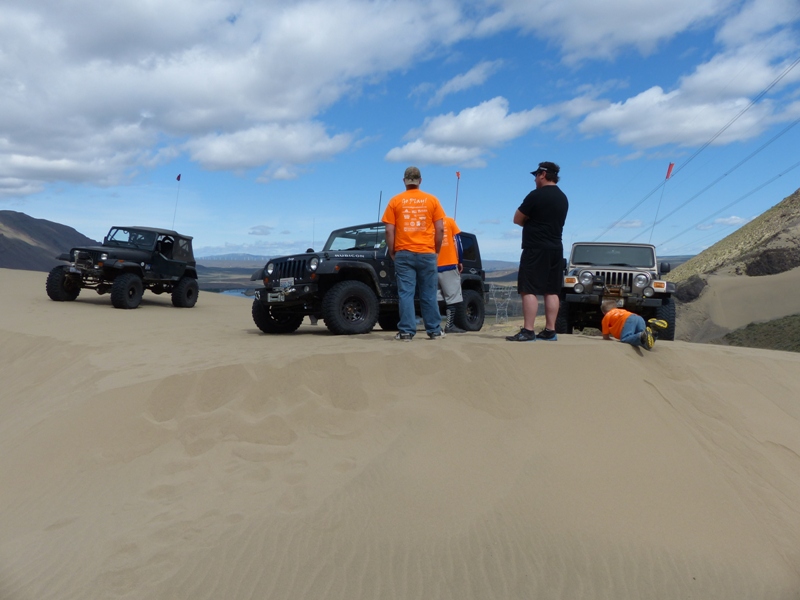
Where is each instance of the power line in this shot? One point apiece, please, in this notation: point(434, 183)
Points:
point(685, 163)
point(721, 177)
point(727, 206)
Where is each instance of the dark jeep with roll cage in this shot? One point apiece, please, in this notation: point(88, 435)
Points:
point(351, 285)
point(628, 273)
point(130, 260)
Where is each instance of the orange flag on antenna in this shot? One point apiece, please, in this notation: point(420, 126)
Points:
point(458, 174)
point(669, 169)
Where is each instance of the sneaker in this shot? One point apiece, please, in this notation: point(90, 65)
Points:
point(647, 338)
point(657, 323)
point(454, 329)
point(548, 335)
point(403, 337)
point(524, 335)
point(439, 335)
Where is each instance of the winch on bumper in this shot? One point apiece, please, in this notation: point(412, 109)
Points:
point(292, 294)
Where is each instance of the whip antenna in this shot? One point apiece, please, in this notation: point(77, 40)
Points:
point(458, 179)
point(175, 212)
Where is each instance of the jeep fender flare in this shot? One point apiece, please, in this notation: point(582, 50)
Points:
point(348, 266)
point(472, 282)
point(129, 267)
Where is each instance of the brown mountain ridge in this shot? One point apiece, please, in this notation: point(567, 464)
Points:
point(31, 244)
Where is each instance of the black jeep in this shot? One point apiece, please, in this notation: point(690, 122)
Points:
point(130, 260)
point(351, 285)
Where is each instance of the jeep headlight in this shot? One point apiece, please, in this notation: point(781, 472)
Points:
point(578, 289)
point(585, 278)
point(641, 280)
point(313, 264)
point(104, 256)
point(269, 268)
point(648, 292)
point(75, 254)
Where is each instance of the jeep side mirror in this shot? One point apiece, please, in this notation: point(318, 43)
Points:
point(665, 268)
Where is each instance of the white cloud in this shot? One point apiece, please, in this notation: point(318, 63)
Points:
point(732, 220)
point(756, 18)
point(464, 138)
point(90, 92)
point(476, 76)
point(261, 230)
point(655, 117)
point(632, 224)
point(291, 143)
point(587, 29)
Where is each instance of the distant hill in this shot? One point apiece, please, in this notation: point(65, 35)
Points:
point(234, 258)
point(767, 245)
point(32, 244)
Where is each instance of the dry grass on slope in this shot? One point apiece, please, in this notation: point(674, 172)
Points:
point(775, 232)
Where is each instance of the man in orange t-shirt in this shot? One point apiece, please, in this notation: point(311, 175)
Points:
point(450, 268)
point(628, 327)
point(414, 232)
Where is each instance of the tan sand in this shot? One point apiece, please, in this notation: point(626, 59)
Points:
point(167, 453)
point(730, 302)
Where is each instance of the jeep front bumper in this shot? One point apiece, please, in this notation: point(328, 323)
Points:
point(597, 298)
point(292, 294)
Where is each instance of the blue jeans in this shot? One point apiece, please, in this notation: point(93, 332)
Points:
point(632, 330)
point(414, 271)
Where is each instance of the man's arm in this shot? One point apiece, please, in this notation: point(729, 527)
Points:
point(439, 235)
point(460, 250)
point(520, 218)
point(390, 239)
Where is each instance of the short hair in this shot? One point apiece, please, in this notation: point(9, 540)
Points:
point(609, 304)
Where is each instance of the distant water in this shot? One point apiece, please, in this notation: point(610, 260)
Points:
point(238, 293)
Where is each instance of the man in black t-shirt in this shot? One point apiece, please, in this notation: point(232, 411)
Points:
point(541, 216)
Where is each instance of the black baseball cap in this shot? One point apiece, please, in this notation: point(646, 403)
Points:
point(549, 167)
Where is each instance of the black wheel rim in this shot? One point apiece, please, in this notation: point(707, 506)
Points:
point(353, 310)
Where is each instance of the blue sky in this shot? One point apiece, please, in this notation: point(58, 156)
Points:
point(288, 119)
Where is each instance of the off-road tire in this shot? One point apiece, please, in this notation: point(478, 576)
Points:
point(185, 292)
point(389, 320)
point(269, 320)
point(126, 291)
point(470, 313)
point(350, 308)
point(62, 287)
point(667, 312)
point(564, 322)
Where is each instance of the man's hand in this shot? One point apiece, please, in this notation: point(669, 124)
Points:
point(460, 268)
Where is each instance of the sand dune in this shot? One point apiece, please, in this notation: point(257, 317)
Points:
point(730, 302)
point(162, 453)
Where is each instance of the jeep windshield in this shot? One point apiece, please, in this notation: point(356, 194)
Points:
point(131, 238)
point(618, 256)
point(368, 237)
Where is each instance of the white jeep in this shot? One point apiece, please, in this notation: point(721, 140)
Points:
point(628, 273)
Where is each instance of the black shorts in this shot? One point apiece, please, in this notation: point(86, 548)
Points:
point(540, 271)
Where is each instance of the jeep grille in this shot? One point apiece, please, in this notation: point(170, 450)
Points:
point(623, 278)
point(290, 268)
point(86, 259)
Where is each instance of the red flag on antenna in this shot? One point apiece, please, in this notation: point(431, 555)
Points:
point(179, 177)
point(458, 174)
point(669, 169)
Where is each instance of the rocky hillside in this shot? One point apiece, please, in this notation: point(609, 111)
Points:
point(32, 244)
point(767, 245)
